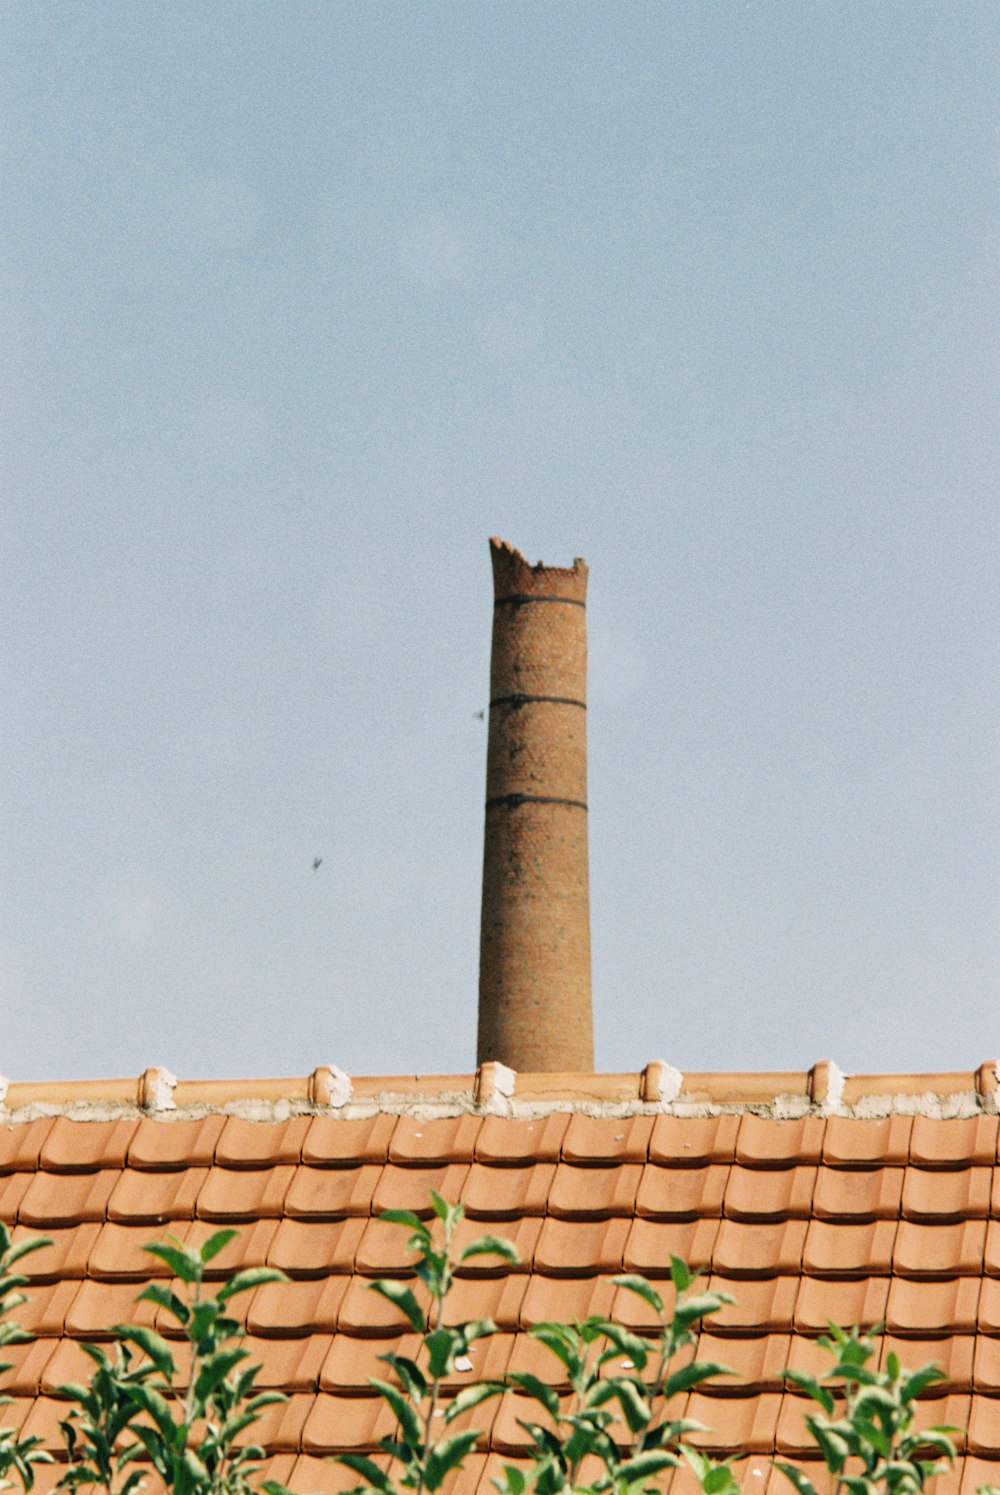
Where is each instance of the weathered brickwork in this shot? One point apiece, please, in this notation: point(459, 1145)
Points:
point(534, 971)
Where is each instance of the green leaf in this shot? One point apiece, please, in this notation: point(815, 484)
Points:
point(680, 1274)
point(645, 1465)
point(23, 1248)
point(448, 1455)
point(409, 1372)
point(471, 1396)
point(403, 1298)
point(634, 1405)
point(919, 1380)
point(214, 1370)
point(515, 1483)
point(216, 1243)
point(537, 1389)
point(834, 1448)
point(368, 1469)
point(697, 1307)
point(157, 1293)
point(242, 1282)
point(153, 1344)
point(441, 1345)
point(405, 1217)
point(812, 1387)
point(155, 1406)
point(405, 1414)
point(692, 1374)
point(560, 1340)
point(183, 1263)
point(802, 1482)
point(633, 1283)
point(492, 1245)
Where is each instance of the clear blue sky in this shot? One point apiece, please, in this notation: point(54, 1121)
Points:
point(303, 302)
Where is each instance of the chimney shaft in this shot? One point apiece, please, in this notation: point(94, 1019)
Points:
point(534, 955)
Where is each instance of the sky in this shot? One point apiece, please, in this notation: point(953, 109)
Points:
point(304, 301)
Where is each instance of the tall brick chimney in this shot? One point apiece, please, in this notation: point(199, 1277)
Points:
point(534, 954)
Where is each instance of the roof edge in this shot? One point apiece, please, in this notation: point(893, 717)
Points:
point(659, 1088)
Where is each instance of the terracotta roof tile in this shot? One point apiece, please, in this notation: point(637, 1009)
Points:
point(759, 1250)
point(769, 1194)
point(181, 1144)
point(693, 1142)
point(539, 1140)
point(835, 1250)
point(954, 1195)
point(261, 1144)
point(651, 1243)
point(309, 1306)
point(321, 1476)
point(936, 1143)
point(315, 1248)
point(21, 1146)
point(800, 1220)
point(493, 1193)
point(747, 1423)
point(923, 1308)
point(452, 1139)
point(576, 1248)
point(763, 1143)
point(72, 1148)
point(155, 1198)
point(954, 1249)
point(330, 1142)
point(583, 1193)
point(874, 1143)
point(681, 1193)
point(55, 1199)
point(842, 1300)
point(331, 1193)
point(851, 1194)
point(235, 1194)
point(68, 1255)
point(410, 1188)
point(605, 1139)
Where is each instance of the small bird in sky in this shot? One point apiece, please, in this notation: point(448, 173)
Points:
point(317, 863)
point(479, 715)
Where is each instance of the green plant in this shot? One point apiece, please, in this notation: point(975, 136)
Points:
point(189, 1432)
point(871, 1443)
point(602, 1397)
point(17, 1455)
point(417, 1402)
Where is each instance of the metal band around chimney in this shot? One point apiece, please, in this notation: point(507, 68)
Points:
point(522, 700)
point(514, 801)
point(520, 598)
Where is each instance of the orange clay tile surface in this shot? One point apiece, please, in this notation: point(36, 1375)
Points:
point(890, 1219)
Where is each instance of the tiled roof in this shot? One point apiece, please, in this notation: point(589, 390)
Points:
point(807, 1198)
